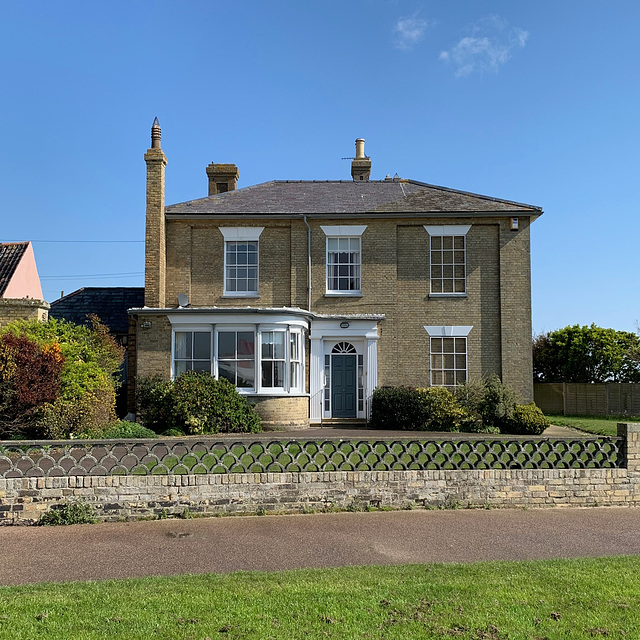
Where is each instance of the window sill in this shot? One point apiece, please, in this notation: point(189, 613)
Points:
point(343, 294)
point(448, 295)
point(241, 295)
point(273, 393)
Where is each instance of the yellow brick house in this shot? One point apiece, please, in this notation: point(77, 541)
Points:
point(308, 295)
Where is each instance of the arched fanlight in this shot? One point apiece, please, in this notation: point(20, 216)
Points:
point(343, 347)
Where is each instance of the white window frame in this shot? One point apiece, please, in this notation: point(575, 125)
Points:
point(249, 328)
point(287, 387)
point(351, 232)
point(191, 329)
point(455, 333)
point(442, 231)
point(285, 376)
point(290, 326)
point(241, 234)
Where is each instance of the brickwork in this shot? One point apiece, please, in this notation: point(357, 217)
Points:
point(515, 309)
point(22, 500)
point(282, 412)
point(153, 346)
point(155, 251)
point(395, 281)
point(22, 309)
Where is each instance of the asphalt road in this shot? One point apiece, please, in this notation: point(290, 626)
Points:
point(270, 543)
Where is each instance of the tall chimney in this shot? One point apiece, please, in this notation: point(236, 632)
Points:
point(361, 164)
point(222, 178)
point(155, 246)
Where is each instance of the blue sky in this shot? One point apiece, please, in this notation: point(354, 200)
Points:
point(533, 102)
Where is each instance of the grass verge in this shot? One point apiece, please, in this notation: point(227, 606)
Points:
point(588, 598)
point(599, 425)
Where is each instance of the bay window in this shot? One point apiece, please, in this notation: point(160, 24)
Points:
point(255, 358)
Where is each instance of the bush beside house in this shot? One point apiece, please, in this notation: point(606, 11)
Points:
point(482, 406)
point(194, 403)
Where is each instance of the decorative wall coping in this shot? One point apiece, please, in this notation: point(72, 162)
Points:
point(252, 455)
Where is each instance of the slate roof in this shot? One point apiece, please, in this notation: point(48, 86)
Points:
point(346, 196)
point(10, 255)
point(110, 304)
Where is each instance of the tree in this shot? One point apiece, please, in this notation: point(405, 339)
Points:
point(56, 378)
point(586, 354)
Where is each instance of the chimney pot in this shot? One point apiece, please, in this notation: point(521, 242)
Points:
point(156, 134)
point(361, 164)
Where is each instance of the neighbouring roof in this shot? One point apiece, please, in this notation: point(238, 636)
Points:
point(10, 255)
point(347, 196)
point(110, 304)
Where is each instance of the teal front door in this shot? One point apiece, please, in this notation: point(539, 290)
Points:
point(343, 386)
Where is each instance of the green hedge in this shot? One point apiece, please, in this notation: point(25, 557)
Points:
point(482, 406)
point(195, 403)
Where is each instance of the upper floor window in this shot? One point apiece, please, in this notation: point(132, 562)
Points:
point(241, 262)
point(344, 259)
point(448, 259)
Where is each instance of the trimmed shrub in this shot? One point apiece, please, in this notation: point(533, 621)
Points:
point(397, 408)
point(123, 429)
point(428, 409)
point(528, 419)
point(492, 401)
point(443, 412)
point(195, 403)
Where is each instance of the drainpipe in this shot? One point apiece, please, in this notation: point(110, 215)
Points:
point(304, 219)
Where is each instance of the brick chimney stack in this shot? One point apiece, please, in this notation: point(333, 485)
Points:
point(361, 164)
point(155, 244)
point(222, 178)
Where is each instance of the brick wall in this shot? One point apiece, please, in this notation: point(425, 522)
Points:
point(153, 346)
point(395, 282)
point(22, 500)
point(155, 252)
point(22, 309)
point(282, 412)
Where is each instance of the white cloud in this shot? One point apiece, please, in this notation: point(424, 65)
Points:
point(408, 32)
point(490, 45)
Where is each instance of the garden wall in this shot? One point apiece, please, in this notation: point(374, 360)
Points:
point(516, 473)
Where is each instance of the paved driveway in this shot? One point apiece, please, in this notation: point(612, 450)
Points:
point(270, 543)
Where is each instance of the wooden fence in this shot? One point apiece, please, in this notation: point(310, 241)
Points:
point(572, 398)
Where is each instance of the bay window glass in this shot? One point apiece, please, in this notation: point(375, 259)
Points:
point(273, 360)
point(294, 360)
point(192, 351)
point(236, 357)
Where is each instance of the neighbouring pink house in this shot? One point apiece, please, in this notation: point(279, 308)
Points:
point(20, 290)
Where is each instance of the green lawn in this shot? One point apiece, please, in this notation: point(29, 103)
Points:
point(593, 598)
point(600, 425)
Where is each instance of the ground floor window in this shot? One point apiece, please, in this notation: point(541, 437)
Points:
point(236, 358)
point(448, 357)
point(254, 358)
point(192, 351)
